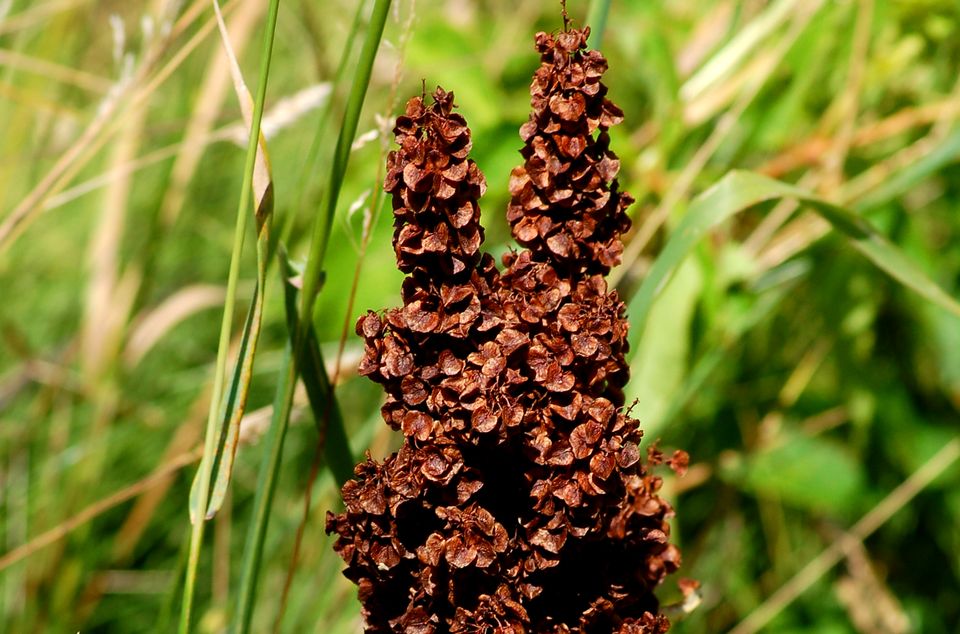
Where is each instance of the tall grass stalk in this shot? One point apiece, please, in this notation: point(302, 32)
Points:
point(263, 498)
point(368, 225)
point(226, 326)
point(297, 350)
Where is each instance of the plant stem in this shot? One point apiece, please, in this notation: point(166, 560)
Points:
point(310, 164)
point(302, 343)
point(341, 156)
point(263, 499)
point(226, 326)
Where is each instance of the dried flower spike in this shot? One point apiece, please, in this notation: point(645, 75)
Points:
point(565, 200)
point(519, 501)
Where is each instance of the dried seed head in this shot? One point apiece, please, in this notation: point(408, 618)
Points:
point(435, 189)
point(566, 206)
point(519, 501)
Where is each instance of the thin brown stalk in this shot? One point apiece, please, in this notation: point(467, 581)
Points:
point(832, 149)
point(781, 212)
point(871, 606)
point(228, 132)
point(806, 229)
point(811, 150)
point(55, 72)
point(800, 233)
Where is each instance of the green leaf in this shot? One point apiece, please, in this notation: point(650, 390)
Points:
point(323, 402)
point(734, 327)
point(220, 440)
point(809, 473)
point(228, 425)
point(738, 191)
point(660, 366)
point(228, 432)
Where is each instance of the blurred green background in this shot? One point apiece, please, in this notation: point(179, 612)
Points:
point(804, 382)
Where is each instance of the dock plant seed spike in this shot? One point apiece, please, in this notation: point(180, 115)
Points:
point(519, 501)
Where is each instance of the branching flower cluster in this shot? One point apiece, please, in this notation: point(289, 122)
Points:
point(519, 500)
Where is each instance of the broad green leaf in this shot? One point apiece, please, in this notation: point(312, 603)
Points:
point(809, 473)
point(733, 329)
point(738, 191)
point(660, 366)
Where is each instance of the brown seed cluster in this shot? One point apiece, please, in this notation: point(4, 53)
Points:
point(519, 501)
point(565, 203)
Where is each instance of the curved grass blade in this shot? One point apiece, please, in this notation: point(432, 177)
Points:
point(240, 387)
point(256, 168)
point(228, 431)
point(296, 355)
point(740, 190)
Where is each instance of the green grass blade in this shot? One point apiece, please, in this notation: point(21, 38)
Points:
point(323, 402)
point(326, 411)
point(330, 428)
point(323, 119)
point(263, 498)
point(341, 157)
point(295, 355)
point(724, 62)
point(228, 432)
point(250, 179)
point(597, 21)
point(235, 405)
point(946, 152)
point(229, 422)
point(738, 191)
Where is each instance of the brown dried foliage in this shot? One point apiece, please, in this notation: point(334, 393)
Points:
point(519, 501)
